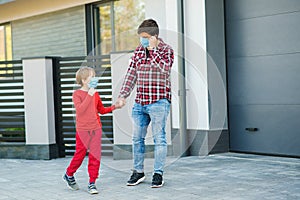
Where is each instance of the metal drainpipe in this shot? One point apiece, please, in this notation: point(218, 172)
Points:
point(181, 78)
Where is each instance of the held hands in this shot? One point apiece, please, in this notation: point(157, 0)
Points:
point(120, 103)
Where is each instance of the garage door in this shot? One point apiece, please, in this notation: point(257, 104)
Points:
point(263, 61)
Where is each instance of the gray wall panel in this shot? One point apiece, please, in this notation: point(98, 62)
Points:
point(264, 80)
point(278, 34)
point(274, 134)
point(243, 9)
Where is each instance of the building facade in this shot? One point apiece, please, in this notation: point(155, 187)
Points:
point(235, 72)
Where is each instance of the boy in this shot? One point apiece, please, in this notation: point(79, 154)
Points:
point(87, 104)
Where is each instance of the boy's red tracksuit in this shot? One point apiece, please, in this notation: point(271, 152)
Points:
point(88, 132)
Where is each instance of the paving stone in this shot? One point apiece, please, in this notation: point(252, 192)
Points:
point(220, 176)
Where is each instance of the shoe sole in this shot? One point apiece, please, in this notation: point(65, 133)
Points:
point(70, 186)
point(157, 186)
point(95, 192)
point(136, 183)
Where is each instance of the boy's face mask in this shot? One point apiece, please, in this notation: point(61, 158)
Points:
point(144, 42)
point(93, 82)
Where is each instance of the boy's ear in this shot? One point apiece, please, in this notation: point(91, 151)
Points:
point(83, 81)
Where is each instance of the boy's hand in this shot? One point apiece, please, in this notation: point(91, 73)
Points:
point(91, 91)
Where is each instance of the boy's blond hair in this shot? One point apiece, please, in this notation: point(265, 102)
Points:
point(83, 73)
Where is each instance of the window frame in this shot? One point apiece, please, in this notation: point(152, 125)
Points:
point(7, 47)
point(93, 36)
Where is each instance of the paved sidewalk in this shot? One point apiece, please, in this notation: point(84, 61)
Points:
point(215, 177)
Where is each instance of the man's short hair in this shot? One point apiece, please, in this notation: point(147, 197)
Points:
point(149, 26)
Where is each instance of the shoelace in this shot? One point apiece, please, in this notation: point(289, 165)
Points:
point(71, 180)
point(92, 186)
point(134, 175)
point(156, 178)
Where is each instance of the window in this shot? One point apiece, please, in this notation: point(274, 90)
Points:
point(128, 16)
point(5, 42)
point(115, 25)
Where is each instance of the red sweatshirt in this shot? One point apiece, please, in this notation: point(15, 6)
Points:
point(87, 108)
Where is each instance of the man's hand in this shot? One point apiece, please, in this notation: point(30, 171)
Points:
point(120, 103)
point(153, 42)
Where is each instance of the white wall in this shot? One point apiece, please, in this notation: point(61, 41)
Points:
point(196, 66)
point(39, 101)
point(165, 12)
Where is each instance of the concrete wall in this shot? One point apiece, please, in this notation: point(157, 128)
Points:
point(205, 77)
point(39, 109)
point(60, 33)
point(216, 64)
point(196, 64)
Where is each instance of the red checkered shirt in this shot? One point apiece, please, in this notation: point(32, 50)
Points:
point(151, 74)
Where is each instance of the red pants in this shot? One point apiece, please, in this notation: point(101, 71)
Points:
point(87, 140)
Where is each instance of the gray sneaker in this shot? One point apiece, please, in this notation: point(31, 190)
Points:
point(92, 188)
point(71, 182)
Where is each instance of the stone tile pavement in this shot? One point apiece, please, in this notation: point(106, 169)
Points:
point(214, 177)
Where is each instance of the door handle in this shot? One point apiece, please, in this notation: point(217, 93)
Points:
point(251, 129)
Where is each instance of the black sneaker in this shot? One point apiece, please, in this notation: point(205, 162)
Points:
point(71, 182)
point(136, 178)
point(92, 188)
point(157, 181)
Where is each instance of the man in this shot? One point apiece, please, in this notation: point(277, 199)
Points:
point(149, 69)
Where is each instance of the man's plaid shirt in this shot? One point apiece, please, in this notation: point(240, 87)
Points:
point(151, 74)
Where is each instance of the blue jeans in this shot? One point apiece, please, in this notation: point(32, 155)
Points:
point(157, 113)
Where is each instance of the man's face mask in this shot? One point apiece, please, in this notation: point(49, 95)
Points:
point(93, 82)
point(144, 42)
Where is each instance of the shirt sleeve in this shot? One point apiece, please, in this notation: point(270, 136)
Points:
point(163, 58)
point(129, 80)
point(100, 107)
point(80, 104)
